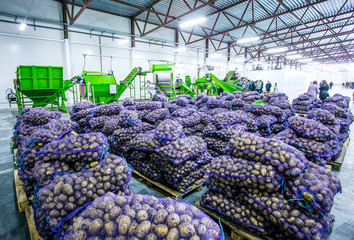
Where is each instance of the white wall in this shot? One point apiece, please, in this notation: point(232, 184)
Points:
point(40, 46)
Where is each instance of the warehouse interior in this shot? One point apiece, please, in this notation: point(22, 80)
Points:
point(152, 81)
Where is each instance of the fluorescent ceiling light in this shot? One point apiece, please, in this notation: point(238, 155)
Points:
point(215, 55)
point(248, 40)
point(305, 60)
point(181, 49)
point(277, 50)
point(294, 56)
point(193, 22)
point(122, 41)
point(22, 26)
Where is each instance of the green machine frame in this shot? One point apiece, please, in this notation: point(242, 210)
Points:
point(165, 68)
point(39, 86)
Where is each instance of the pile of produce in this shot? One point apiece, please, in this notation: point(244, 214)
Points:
point(269, 187)
point(142, 217)
point(304, 103)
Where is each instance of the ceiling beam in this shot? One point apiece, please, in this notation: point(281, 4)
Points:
point(74, 18)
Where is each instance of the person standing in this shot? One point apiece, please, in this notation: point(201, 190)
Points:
point(324, 90)
point(258, 86)
point(268, 86)
point(247, 85)
point(261, 86)
point(330, 85)
point(275, 87)
point(313, 89)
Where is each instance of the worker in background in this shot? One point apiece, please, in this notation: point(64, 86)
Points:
point(330, 85)
point(247, 85)
point(261, 86)
point(258, 86)
point(275, 87)
point(253, 86)
point(324, 90)
point(268, 86)
point(313, 89)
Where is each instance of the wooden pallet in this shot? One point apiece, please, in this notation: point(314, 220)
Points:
point(12, 143)
point(22, 200)
point(31, 224)
point(165, 191)
point(337, 164)
point(16, 158)
point(236, 231)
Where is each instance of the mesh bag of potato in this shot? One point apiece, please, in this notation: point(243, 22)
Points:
point(236, 211)
point(311, 129)
point(107, 110)
point(288, 160)
point(88, 147)
point(143, 217)
point(144, 142)
point(40, 116)
point(226, 173)
point(158, 114)
point(287, 217)
point(314, 189)
point(215, 103)
point(79, 106)
point(53, 130)
point(151, 105)
point(68, 194)
point(168, 130)
point(158, 97)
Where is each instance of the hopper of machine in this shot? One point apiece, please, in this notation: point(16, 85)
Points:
point(39, 86)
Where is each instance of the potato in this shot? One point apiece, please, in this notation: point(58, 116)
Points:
point(161, 230)
point(143, 229)
point(173, 234)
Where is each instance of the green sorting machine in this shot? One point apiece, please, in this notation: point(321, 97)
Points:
point(39, 86)
point(100, 87)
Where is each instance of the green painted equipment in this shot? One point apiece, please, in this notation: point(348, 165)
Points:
point(164, 79)
point(39, 86)
point(228, 85)
point(103, 88)
point(204, 84)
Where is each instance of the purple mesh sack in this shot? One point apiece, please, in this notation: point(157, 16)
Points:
point(237, 104)
point(128, 102)
point(214, 103)
point(216, 144)
point(226, 119)
point(261, 109)
point(28, 159)
point(123, 136)
point(237, 212)
point(79, 106)
point(334, 128)
point(264, 121)
point(127, 118)
point(181, 101)
point(82, 114)
point(182, 149)
point(88, 147)
point(45, 172)
point(157, 114)
point(168, 130)
point(247, 94)
point(153, 218)
point(157, 97)
point(144, 142)
point(322, 116)
point(252, 98)
point(214, 111)
point(183, 112)
point(314, 189)
point(53, 130)
point(288, 160)
point(108, 110)
point(287, 217)
point(189, 180)
point(40, 117)
point(149, 105)
point(237, 94)
point(278, 127)
point(236, 172)
point(68, 194)
point(335, 110)
point(310, 129)
point(97, 123)
point(149, 168)
point(283, 104)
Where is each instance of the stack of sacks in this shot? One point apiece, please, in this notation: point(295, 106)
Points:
point(128, 103)
point(100, 115)
point(122, 129)
point(248, 187)
point(80, 111)
point(285, 106)
point(214, 106)
point(221, 128)
point(314, 139)
point(339, 100)
point(190, 119)
point(146, 107)
point(304, 103)
point(59, 203)
point(183, 161)
point(266, 116)
point(201, 100)
point(250, 97)
point(143, 217)
point(269, 98)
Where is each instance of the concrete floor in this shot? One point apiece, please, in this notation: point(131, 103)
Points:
point(13, 225)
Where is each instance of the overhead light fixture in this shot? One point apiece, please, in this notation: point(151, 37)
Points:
point(193, 22)
point(122, 41)
point(22, 26)
point(248, 40)
point(305, 60)
point(277, 50)
point(215, 55)
point(294, 56)
point(181, 49)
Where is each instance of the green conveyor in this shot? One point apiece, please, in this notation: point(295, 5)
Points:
point(227, 86)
